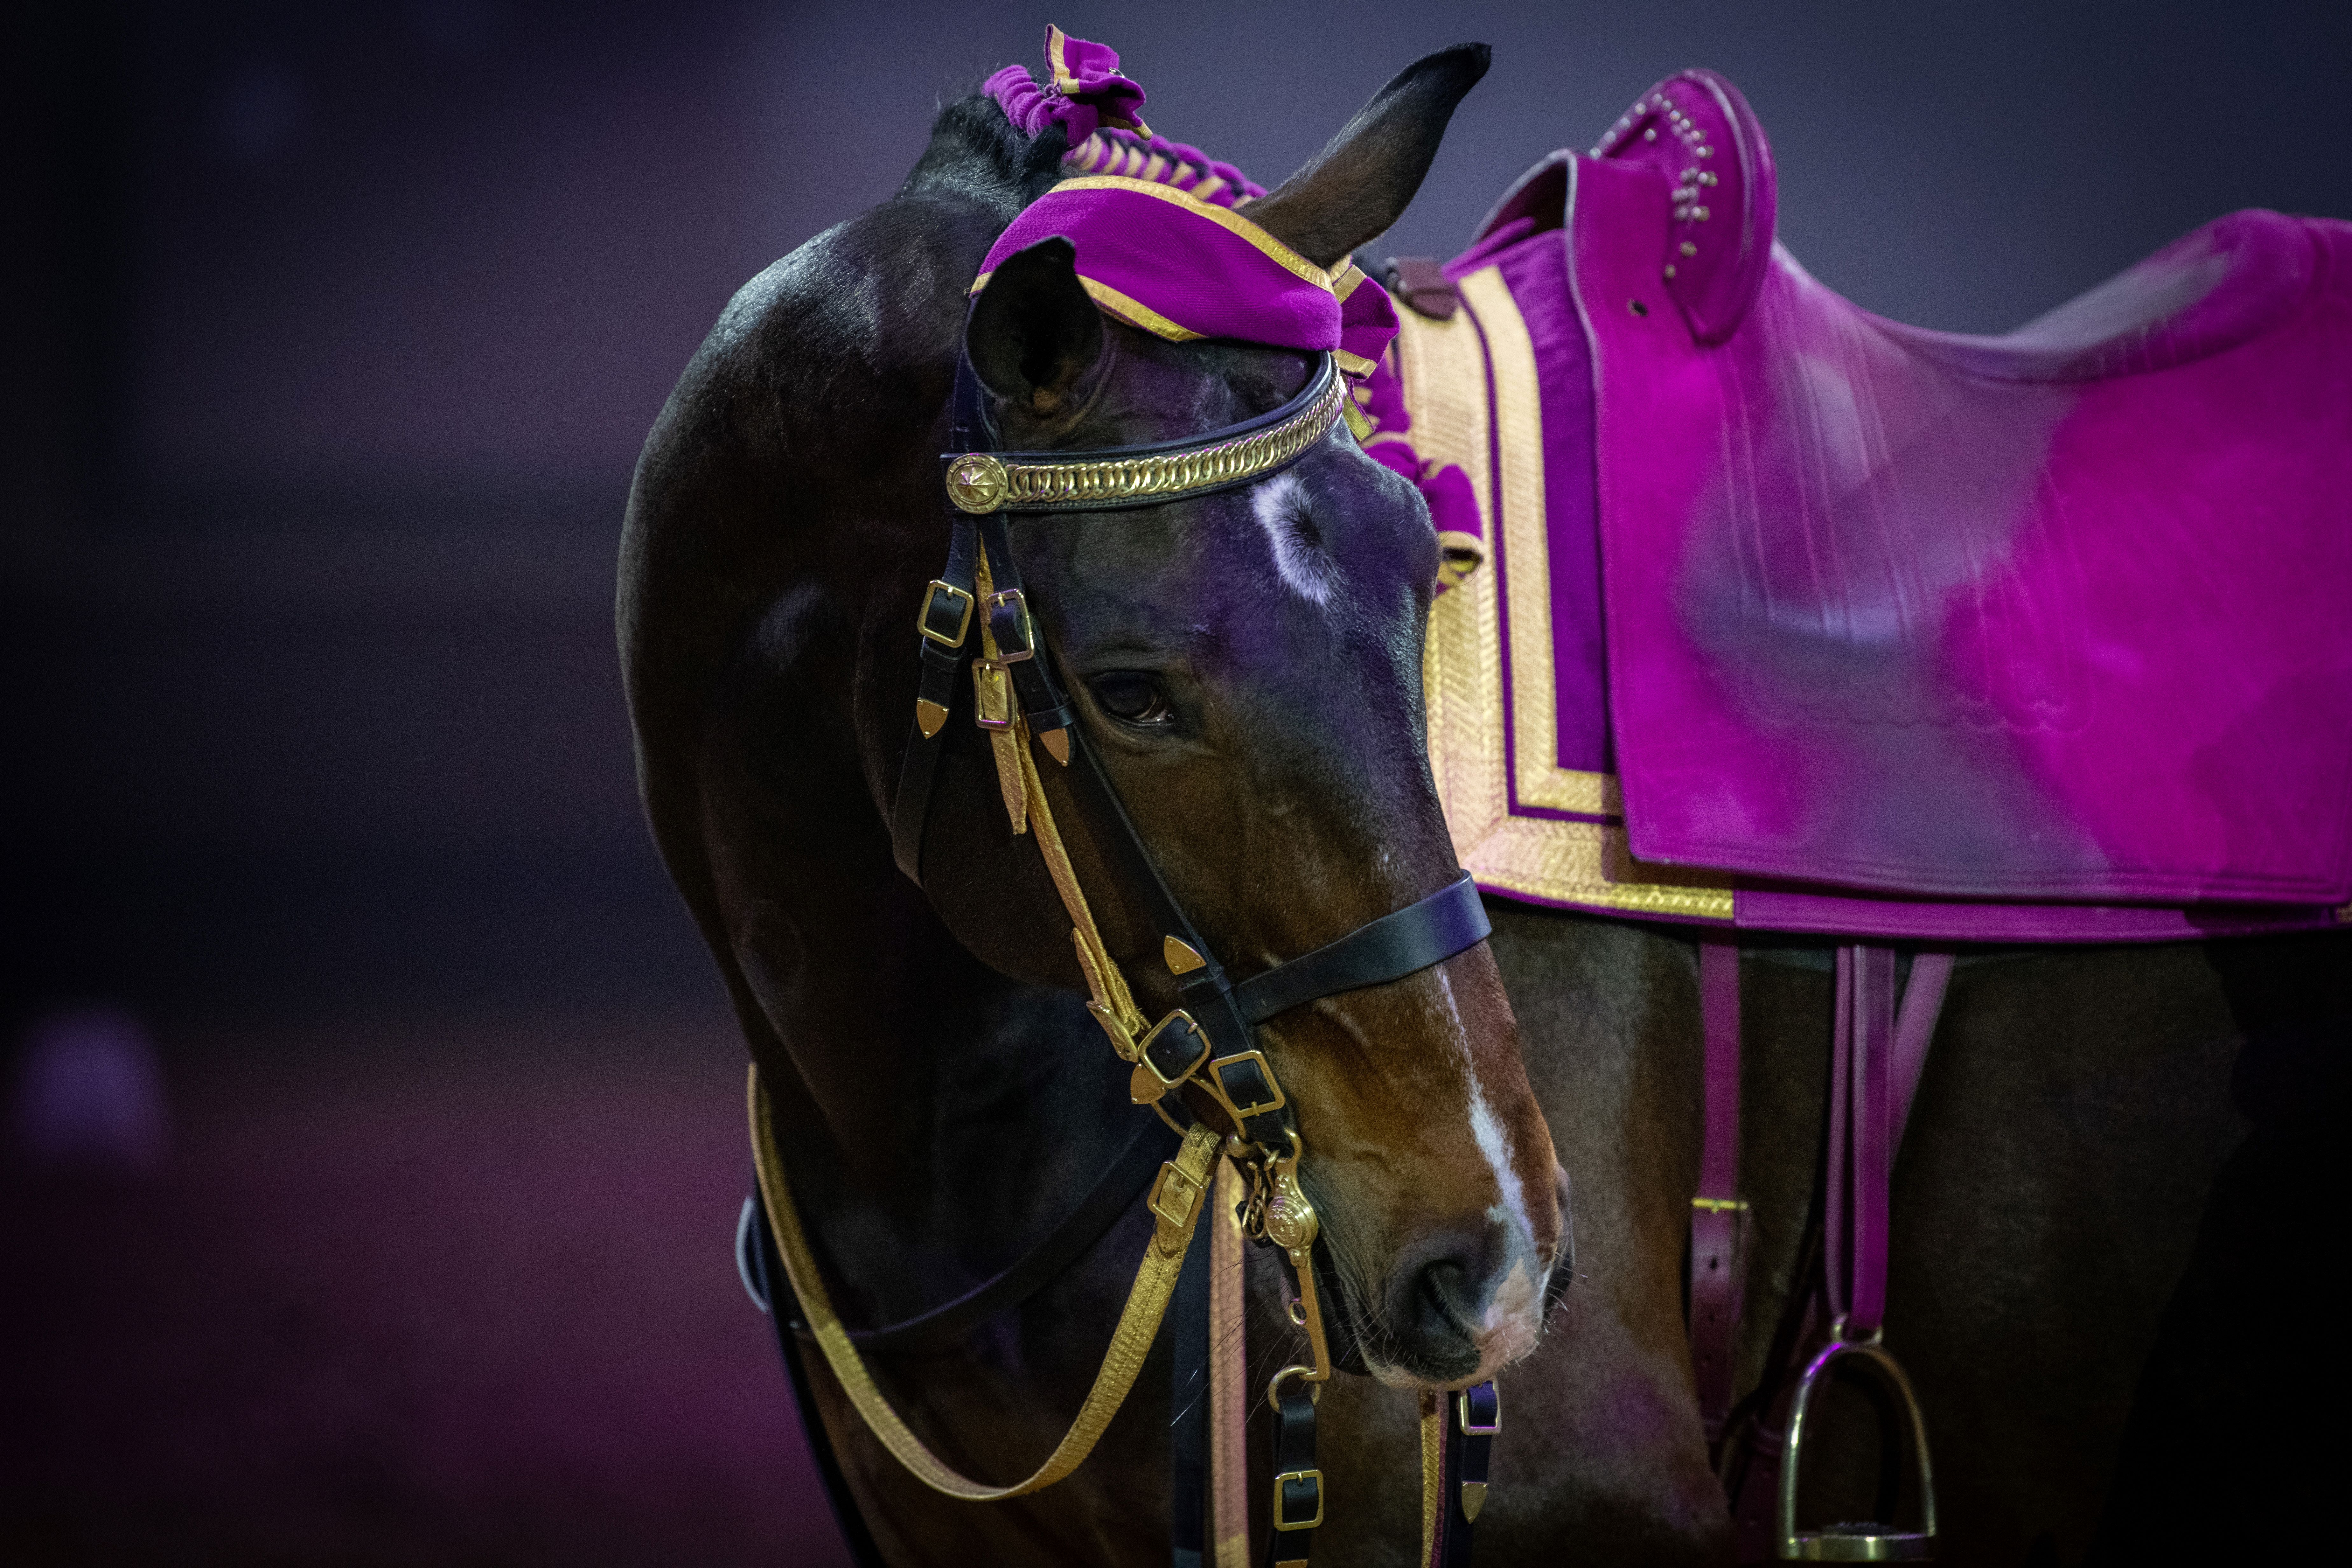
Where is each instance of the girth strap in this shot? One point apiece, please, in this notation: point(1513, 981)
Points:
point(1879, 1051)
point(1719, 1221)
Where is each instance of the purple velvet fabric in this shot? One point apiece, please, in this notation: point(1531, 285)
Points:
point(1452, 503)
point(1536, 271)
point(1160, 259)
point(1083, 91)
point(1880, 623)
point(1695, 129)
point(1367, 320)
point(2042, 638)
point(1158, 244)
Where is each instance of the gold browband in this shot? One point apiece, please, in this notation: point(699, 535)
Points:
point(1024, 482)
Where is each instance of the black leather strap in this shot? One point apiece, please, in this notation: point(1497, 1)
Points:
point(944, 643)
point(1472, 1417)
point(765, 1271)
point(1205, 992)
point(1017, 640)
point(1189, 1404)
point(1390, 947)
point(1297, 1505)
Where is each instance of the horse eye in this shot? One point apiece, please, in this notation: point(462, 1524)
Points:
point(1132, 696)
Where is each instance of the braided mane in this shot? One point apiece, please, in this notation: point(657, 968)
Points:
point(1163, 163)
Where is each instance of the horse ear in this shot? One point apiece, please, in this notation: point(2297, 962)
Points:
point(1035, 336)
point(1351, 192)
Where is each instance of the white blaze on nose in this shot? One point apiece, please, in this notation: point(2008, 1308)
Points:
point(1513, 1312)
point(1495, 1144)
point(1278, 504)
point(1508, 1329)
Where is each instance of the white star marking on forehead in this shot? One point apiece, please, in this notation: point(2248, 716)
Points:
point(1305, 569)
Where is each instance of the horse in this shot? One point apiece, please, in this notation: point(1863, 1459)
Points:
point(2073, 1209)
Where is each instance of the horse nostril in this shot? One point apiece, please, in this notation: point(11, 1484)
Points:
point(1443, 1284)
point(1435, 1304)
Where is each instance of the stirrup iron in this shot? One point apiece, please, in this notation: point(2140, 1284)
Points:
point(1873, 1543)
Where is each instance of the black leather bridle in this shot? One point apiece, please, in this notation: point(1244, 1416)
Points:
point(1209, 1038)
point(1213, 1031)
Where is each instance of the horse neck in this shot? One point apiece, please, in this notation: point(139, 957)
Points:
point(933, 1112)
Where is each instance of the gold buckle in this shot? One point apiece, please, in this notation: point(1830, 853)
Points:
point(1214, 1081)
point(1280, 1522)
point(1186, 1189)
point(1720, 1206)
point(1143, 1048)
point(1462, 1415)
point(1013, 598)
point(992, 691)
point(923, 615)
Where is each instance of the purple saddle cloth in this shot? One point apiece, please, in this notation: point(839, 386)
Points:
point(1846, 625)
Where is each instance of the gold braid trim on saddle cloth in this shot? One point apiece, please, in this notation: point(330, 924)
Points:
point(1472, 669)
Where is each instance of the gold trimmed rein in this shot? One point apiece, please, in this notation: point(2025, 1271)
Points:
point(982, 482)
point(1190, 1175)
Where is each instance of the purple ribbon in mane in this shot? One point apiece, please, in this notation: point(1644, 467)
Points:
point(1160, 241)
point(1083, 91)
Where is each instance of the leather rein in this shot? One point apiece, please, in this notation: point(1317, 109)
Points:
point(976, 613)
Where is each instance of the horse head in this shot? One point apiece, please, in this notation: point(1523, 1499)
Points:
point(1245, 664)
point(1248, 665)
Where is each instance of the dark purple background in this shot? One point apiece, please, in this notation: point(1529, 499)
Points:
point(334, 332)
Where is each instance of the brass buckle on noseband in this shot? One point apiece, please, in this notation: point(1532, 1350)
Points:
point(1175, 1032)
point(1849, 1542)
point(1214, 1081)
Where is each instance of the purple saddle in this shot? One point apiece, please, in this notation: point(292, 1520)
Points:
point(1808, 619)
